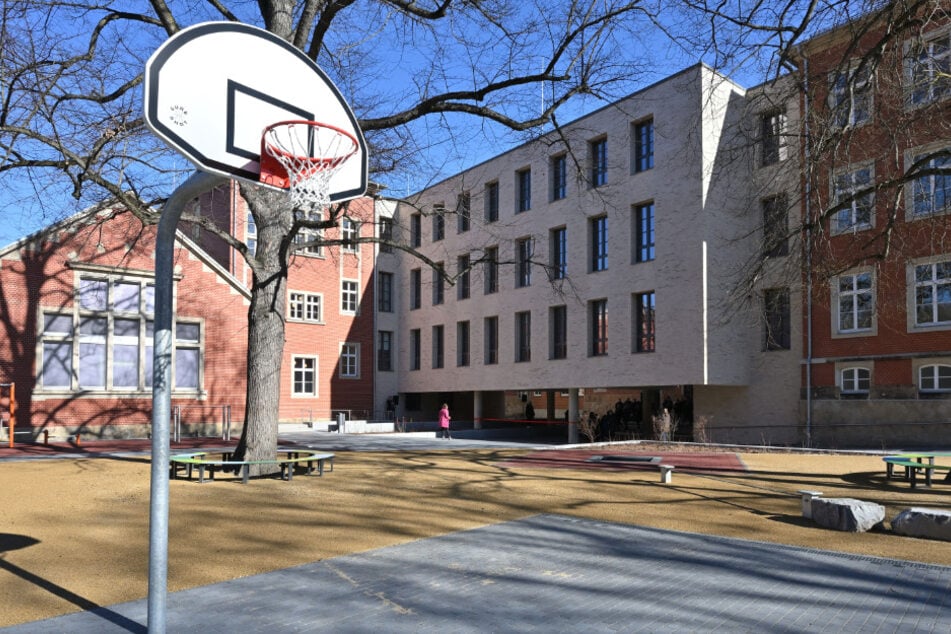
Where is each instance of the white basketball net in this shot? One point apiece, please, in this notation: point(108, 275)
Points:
point(311, 153)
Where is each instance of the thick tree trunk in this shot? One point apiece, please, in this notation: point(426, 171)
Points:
point(274, 218)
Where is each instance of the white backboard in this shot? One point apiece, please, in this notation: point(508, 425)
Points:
point(211, 89)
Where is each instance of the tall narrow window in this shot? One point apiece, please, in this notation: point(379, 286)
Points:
point(384, 351)
point(772, 137)
point(438, 346)
point(598, 150)
point(775, 229)
point(415, 346)
point(558, 329)
point(524, 249)
point(777, 331)
point(853, 195)
point(491, 202)
point(462, 343)
point(416, 230)
point(304, 376)
point(523, 337)
point(462, 277)
point(350, 360)
point(309, 238)
point(644, 232)
point(349, 296)
point(559, 176)
point(385, 285)
point(349, 231)
point(386, 235)
point(439, 284)
point(415, 289)
point(933, 294)
point(599, 243)
point(850, 96)
point(856, 302)
point(251, 234)
point(644, 322)
point(490, 333)
point(644, 146)
point(932, 192)
point(558, 250)
point(463, 212)
point(490, 266)
point(599, 327)
point(439, 223)
point(523, 190)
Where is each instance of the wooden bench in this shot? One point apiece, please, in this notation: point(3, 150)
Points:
point(292, 457)
point(913, 463)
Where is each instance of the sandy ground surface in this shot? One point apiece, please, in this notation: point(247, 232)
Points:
point(74, 532)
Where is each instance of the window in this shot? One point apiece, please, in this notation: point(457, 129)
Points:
point(644, 322)
point(349, 231)
point(523, 337)
point(439, 223)
point(251, 234)
point(775, 220)
point(462, 344)
point(599, 327)
point(304, 307)
point(349, 360)
point(932, 192)
point(598, 158)
point(933, 294)
point(558, 167)
point(643, 146)
point(105, 341)
point(490, 333)
point(855, 381)
point(491, 270)
point(772, 137)
point(415, 289)
point(349, 296)
point(855, 302)
point(304, 376)
point(463, 217)
point(853, 197)
point(416, 230)
point(462, 277)
point(850, 96)
point(386, 235)
point(385, 284)
point(776, 311)
point(644, 232)
point(437, 347)
point(384, 351)
point(414, 349)
point(934, 378)
point(558, 254)
point(523, 190)
point(491, 202)
point(928, 68)
point(558, 329)
point(598, 228)
point(439, 284)
point(524, 249)
point(309, 239)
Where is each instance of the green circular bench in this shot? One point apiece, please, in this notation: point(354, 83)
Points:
point(288, 458)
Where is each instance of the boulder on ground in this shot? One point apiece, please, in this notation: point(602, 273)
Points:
point(847, 514)
point(922, 522)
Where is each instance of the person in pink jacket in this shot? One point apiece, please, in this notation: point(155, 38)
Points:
point(444, 422)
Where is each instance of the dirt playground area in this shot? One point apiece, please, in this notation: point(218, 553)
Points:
point(74, 532)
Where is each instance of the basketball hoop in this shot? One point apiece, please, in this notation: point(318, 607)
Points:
point(310, 153)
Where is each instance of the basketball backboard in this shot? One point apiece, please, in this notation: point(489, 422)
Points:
point(211, 89)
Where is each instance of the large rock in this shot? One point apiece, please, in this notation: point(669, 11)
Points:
point(847, 514)
point(922, 522)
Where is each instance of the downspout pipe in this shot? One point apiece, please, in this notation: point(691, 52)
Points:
point(807, 209)
point(197, 184)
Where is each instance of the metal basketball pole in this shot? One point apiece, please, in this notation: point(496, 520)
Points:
point(197, 184)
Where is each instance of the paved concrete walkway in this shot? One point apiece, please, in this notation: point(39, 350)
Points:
point(552, 573)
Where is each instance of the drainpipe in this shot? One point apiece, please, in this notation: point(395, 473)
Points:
point(808, 211)
point(197, 184)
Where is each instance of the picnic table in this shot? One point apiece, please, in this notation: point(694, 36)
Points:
point(916, 462)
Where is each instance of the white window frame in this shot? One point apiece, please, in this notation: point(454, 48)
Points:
point(851, 97)
point(858, 178)
point(305, 307)
point(855, 292)
point(924, 190)
point(939, 281)
point(940, 376)
point(935, 85)
point(349, 232)
point(851, 380)
point(349, 367)
point(306, 234)
point(314, 371)
point(349, 297)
